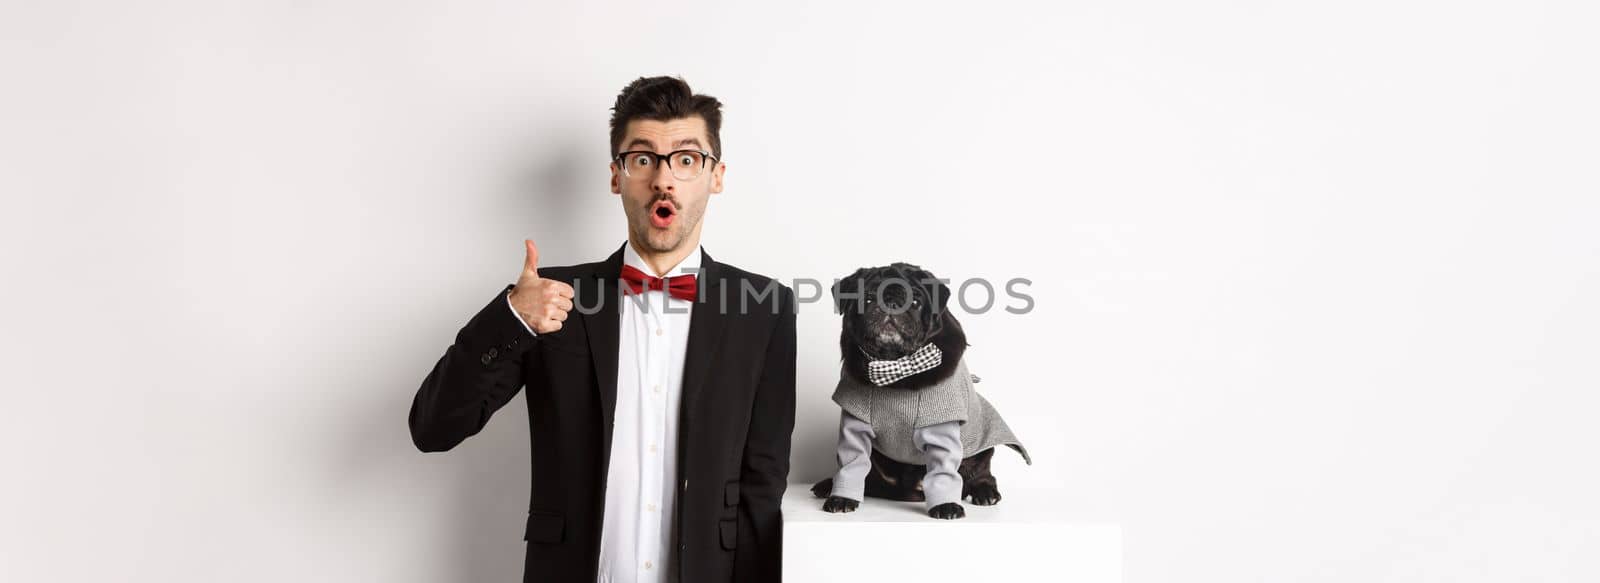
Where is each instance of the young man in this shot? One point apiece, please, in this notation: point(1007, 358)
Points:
point(661, 407)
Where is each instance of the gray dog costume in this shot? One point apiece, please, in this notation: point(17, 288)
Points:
point(936, 426)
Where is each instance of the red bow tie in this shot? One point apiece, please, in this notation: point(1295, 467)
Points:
point(682, 286)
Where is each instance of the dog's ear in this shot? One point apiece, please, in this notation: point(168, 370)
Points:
point(938, 292)
point(847, 292)
point(935, 295)
point(934, 292)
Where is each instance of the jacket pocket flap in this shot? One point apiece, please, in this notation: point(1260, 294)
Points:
point(729, 529)
point(563, 343)
point(730, 494)
point(545, 527)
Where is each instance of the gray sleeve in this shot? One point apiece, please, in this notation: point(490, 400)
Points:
point(941, 444)
point(854, 455)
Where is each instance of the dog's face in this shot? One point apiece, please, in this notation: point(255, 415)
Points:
point(891, 311)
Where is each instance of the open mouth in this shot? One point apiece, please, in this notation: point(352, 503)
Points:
point(662, 214)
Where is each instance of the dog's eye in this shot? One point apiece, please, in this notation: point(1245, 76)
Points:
point(869, 300)
point(915, 303)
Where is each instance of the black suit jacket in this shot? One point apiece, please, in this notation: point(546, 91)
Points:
point(736, 417)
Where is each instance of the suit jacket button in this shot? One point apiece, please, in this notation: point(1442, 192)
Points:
point(485, 359)
point(493, 353)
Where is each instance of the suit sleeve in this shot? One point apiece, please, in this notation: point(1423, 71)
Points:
point(764, 472)
point(477, 375)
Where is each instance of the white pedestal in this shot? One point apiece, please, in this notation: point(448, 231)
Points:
point(1019, 539)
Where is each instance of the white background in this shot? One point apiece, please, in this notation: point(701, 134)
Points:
point(1314, 283)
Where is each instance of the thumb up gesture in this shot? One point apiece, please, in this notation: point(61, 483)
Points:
point(542, 303)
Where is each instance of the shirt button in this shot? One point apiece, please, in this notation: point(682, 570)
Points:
point(652, 448)
point(647, 565)
point(658, 331)
point(650, 507)
point(657, 388)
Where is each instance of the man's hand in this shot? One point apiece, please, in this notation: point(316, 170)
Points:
point(542, 303)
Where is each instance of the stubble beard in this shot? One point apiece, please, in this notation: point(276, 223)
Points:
point(658, 241)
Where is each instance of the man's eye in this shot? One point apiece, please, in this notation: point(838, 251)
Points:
point(641, 160)
point(685, 160)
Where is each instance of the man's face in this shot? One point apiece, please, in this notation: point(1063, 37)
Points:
point(663, 210)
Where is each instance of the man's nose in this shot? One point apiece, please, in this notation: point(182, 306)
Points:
point(663, 180)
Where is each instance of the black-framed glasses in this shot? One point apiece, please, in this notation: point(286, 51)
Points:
point(685, 164)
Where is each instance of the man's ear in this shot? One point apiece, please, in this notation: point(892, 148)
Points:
point(616, 179)
point(716, 176)
point(847, 292)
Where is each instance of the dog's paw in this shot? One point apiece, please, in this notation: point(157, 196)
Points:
point(822, 489)
point(837, 505)
point(985, 494)
point(948, 511)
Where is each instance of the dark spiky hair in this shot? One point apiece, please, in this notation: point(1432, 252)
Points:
point(662, 99)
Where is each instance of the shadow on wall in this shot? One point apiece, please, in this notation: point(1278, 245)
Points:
point(544, 201)
point(551, 197)
point(478, 524)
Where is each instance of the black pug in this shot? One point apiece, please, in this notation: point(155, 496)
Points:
point(911, 425)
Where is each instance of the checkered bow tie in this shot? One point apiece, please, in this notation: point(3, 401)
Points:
point(681, 286)
point(883, 372)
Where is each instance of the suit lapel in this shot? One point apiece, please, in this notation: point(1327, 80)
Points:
point(706, 324)
point(603, 288)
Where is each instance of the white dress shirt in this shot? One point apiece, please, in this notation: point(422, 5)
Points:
point(636, 539)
